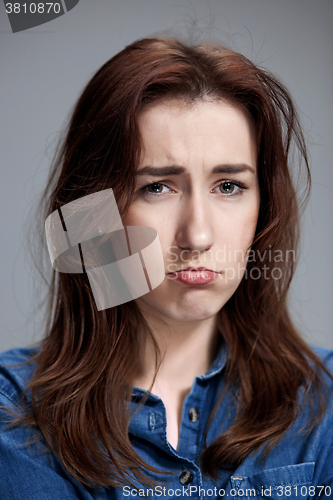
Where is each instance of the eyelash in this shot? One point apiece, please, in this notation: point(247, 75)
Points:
point(240, 190)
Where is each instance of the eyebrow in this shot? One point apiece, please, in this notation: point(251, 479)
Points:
point(176, 170)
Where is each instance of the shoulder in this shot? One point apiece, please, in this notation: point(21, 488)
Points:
point(326, 357)
point(28, 469)
point(16, 370)
point(325, 354)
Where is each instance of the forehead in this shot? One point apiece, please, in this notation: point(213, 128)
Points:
point(209, 131)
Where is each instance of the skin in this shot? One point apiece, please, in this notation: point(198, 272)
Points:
point(201, 222)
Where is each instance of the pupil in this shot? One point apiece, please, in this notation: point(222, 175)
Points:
point(156, 187)
point(227, 187)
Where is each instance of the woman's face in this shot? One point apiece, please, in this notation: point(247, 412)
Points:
point(197, 186)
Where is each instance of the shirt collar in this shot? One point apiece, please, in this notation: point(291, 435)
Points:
point(219, 363)
point(149, 421)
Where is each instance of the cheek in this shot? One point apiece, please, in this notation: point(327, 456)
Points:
point(164, 228)
point(234, 240)
point(137, 217)
point(131, 218)
point(247, 230)
point(238, 229)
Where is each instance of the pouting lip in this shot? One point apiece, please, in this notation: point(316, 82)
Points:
point(194, 269)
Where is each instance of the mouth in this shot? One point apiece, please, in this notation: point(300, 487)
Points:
point(194, 276)
point(194, 270)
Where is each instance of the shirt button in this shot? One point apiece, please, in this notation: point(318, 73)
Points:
point(186, 477)
point(193, 414)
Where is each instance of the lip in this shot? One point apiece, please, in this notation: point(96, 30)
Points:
point(194, 276)
point(194, 269)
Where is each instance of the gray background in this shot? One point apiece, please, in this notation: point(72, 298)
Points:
point(44, 69)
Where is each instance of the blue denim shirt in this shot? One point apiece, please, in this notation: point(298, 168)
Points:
point(299, 467)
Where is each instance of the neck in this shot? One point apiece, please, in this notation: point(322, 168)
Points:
point(187, 350)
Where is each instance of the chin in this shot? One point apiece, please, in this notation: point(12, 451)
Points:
point(192, 316)
point(184, 309)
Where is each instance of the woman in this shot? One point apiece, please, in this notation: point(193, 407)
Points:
point(201, 387)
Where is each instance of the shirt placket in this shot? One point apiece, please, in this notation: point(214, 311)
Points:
point(193, 422)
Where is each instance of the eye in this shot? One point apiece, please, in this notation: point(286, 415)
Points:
point(155, 188)
point(230, 188)
point(227, 187)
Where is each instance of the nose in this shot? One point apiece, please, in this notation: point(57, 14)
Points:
point(195, 231)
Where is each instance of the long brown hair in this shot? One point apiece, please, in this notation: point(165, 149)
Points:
point(80, 394)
